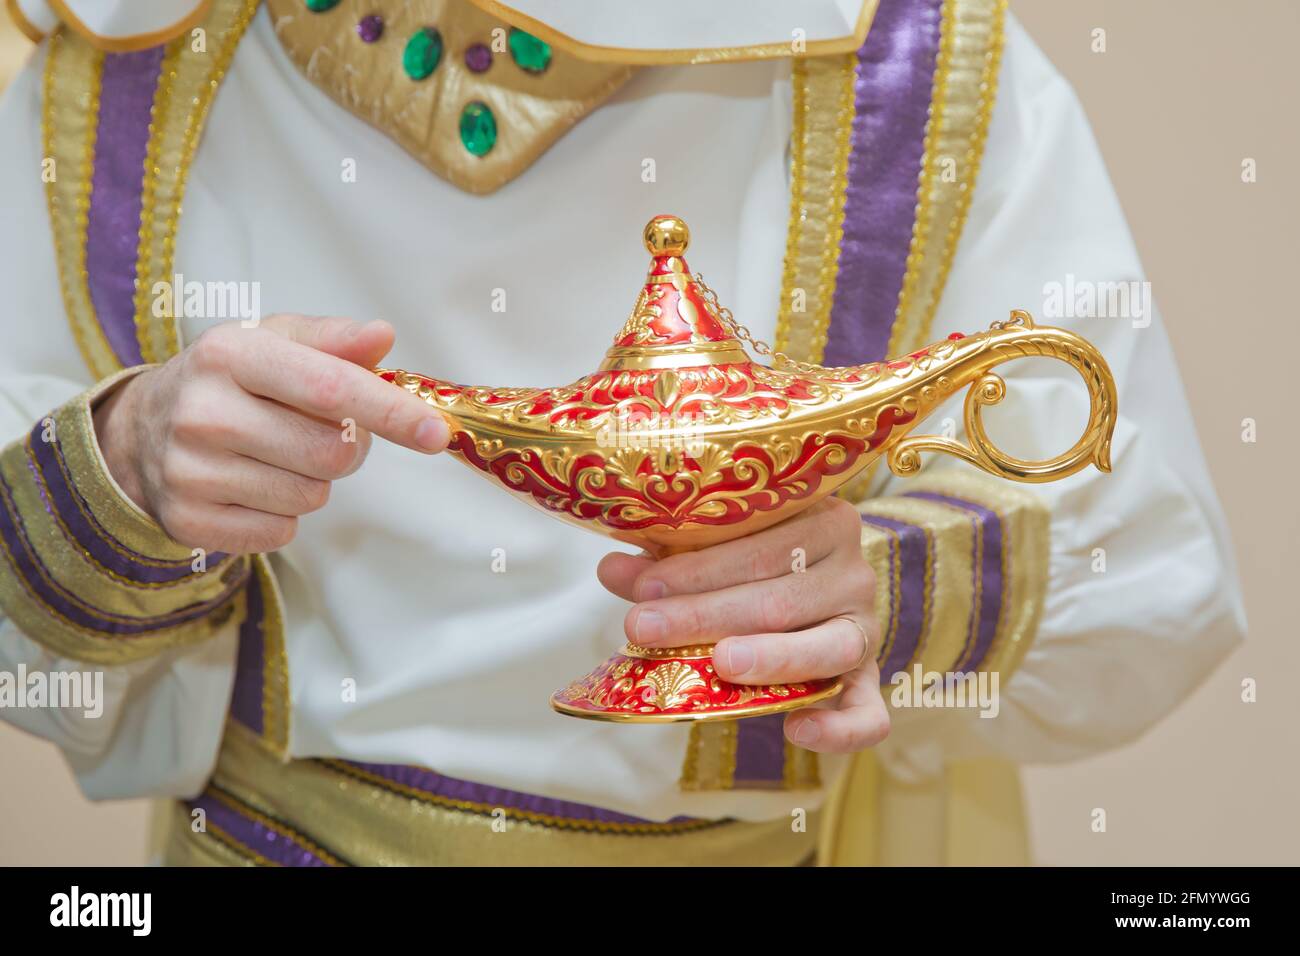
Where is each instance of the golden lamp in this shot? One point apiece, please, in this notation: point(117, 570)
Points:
point(682, 440)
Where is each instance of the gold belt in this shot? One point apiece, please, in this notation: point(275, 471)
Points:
point(258, 810)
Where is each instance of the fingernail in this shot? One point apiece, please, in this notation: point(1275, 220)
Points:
point(806, 734)
point(740, 658)
point(650, 627)
point(432, 434)
point(651, 590)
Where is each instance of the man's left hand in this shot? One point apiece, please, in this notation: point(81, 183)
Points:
point(779, 616)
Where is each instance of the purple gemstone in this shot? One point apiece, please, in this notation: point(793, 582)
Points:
point(370, 28)
point(478, 58)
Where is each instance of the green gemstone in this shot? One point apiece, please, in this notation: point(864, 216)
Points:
point(478, 128)
point(423, 53)
point(320, 6)
point(529, 52)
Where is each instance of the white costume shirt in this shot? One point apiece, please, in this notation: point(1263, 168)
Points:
point(392, 585)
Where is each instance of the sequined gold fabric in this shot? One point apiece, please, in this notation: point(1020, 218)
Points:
point(368, 822)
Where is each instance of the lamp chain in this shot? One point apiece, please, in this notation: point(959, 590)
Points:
point(779, 359)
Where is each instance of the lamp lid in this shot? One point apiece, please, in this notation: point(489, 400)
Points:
point(677, 321)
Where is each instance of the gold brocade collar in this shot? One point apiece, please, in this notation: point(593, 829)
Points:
point(475, 100)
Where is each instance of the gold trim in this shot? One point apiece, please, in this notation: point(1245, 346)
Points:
point(25, 26)
point(160, 114)
point(42, 494)
point(802, 769)
point(53, 630)
point(89, 586)
point(228, 844)
point(530, 816)
point(986, 86)
point(696, 652)
point(951, 532)
point(276, 710)
point(887, 565)
point(710, 762)
point(639, 358)
point(87, 470)
point(974, 606)
point(965, 88)
point(368, 822)
point(821, 141)
point(139, 41)
point(186, 86)
point(235, 803)
point(946, 582)
point(650, 57)
point(63, 565)
point(1026, 554)
point(907, 326)
point(69, 109)
point(759, 710)
point(886, 507)
point(963, 94)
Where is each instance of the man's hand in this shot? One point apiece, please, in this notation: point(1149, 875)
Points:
point(774, 624)
point(230, 441)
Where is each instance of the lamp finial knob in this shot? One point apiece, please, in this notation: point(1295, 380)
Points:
point(666, 236)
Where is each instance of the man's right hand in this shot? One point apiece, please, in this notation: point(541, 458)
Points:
point(230, 441)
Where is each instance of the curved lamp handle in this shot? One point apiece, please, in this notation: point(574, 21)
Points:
point(1019, 338)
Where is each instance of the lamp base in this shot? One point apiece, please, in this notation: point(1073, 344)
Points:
point(643, 685)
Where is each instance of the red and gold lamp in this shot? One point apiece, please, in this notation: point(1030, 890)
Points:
point(682, 440)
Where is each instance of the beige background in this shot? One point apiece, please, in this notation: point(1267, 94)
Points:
point(1186, 90)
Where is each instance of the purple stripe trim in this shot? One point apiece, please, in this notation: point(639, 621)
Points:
point(914, 557)
point(247, 698)
point(277, 847)
point(38, 581)
point(895, 80)
point(988, 560)
point(65, 502)
point(760, 751)
point(126, 98)
point(450, 788)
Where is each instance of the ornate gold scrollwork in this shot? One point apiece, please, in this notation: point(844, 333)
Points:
point(1093, 447)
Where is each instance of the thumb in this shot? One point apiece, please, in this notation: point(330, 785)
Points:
point(362, 343)
point(619, 571)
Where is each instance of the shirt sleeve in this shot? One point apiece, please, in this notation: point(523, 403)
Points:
point(1139, 598)
point(88, 582)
